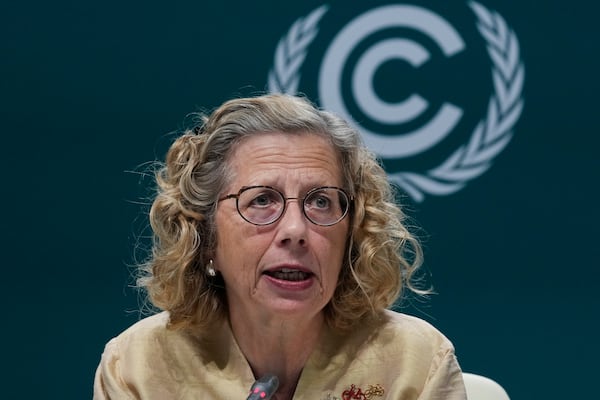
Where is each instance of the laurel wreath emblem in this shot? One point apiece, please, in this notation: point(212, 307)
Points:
point(490, 136)
point(291, 52)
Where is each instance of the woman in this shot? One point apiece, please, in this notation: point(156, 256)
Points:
point(278, 247)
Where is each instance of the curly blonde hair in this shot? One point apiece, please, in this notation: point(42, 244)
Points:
point(382, 255)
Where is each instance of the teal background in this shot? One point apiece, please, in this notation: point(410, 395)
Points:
point(90, 91)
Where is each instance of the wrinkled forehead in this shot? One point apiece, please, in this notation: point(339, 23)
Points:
point(299, 154)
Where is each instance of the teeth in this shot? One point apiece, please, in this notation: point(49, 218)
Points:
point(287, 274)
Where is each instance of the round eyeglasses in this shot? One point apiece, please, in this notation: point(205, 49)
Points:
point(264, 205)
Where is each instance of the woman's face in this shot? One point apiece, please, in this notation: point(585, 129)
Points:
point(288, 269)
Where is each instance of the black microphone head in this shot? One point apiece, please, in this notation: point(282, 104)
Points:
point(264, 388)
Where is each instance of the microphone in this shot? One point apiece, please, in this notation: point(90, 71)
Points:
point(263, 388)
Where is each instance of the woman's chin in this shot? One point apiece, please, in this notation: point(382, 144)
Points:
point(291, 298)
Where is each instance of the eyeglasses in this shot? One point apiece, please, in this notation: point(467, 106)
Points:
point(264, 205)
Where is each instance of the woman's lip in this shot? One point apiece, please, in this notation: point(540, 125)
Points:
point(291, 285)
point(270, 274)
point(288, 267)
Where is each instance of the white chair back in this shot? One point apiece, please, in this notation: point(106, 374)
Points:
point(482, 388)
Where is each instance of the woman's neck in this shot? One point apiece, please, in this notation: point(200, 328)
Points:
point(279, 347)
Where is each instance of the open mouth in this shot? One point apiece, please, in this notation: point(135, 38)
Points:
point(287, 274)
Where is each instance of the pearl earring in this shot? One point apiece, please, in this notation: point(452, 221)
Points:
point(210, 270)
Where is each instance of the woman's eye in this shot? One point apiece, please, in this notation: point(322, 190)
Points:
point(263, 200)
point(320, 202)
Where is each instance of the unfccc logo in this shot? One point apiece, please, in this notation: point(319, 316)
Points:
point(489, 136)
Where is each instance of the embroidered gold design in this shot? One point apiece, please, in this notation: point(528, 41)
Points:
point(356, 393)
point(374, 391)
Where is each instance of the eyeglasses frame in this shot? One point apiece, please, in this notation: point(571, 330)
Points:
point(237, 195)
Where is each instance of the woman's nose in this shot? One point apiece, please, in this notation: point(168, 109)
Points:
point(293, 223)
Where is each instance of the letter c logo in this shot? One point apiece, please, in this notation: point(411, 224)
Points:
point(330, 77)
